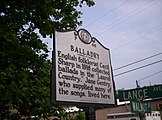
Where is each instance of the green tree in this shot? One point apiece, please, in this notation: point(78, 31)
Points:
point(80, 116)
point(25, 68)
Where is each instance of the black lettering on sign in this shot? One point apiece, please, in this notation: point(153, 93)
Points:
point(63, 91)
point(104, 66)
point(64, 84)
point(67, 69)
point(76, 93)
point(93, 94)
point(82, 73)
point(103, 83)
point(103, 77)
point(66, 63)
point(89, 74)
point(78, 66)
point(90, 81)
point(68, 77)
point(86, 67)
point(87, 61)
point(67, 56)
point(105, 96)
point(84, 52)
point(100, 89)
point(83, 87)
point(109, 90)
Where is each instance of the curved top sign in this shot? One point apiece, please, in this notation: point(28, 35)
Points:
point(82, 70)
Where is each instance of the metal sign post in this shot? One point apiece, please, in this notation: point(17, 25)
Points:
point(90, 113)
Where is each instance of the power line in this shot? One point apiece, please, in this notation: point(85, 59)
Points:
point(138, 38)
point(149, 75)
point(106, 13)
point(137, 61)
point(129, 15)
point(137, 68)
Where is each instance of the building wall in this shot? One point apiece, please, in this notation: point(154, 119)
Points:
point(101, 114)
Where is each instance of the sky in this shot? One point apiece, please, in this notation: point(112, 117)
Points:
point(132, 30)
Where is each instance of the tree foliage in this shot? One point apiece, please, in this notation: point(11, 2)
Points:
point(80, 116)
point(25, 68)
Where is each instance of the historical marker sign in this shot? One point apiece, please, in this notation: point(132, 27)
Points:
point(141, 93)
point(82, 69)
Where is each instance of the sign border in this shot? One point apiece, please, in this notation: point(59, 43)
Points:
point(53, 80)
